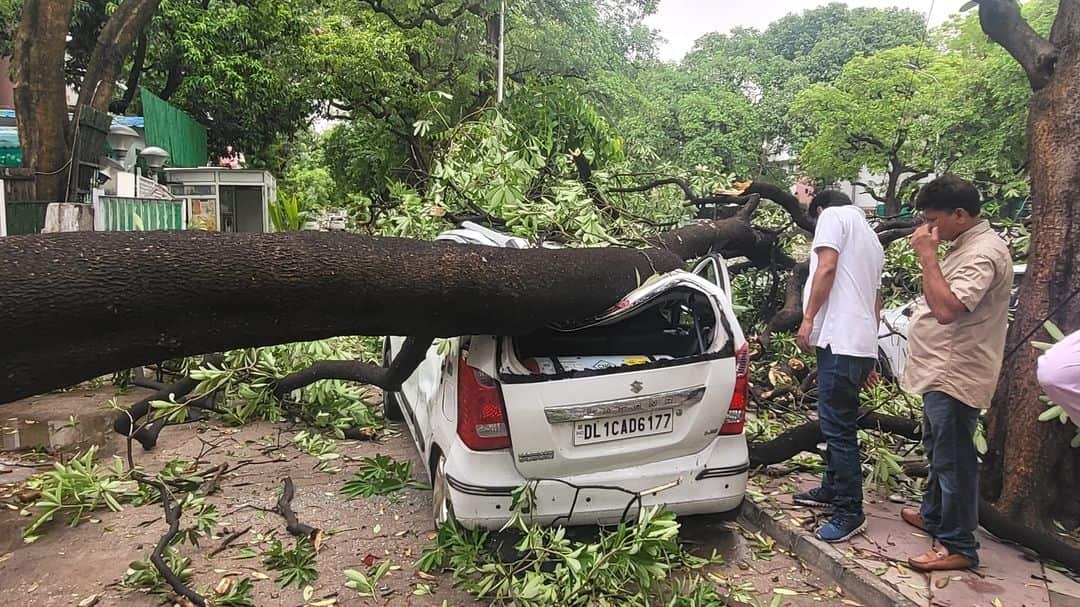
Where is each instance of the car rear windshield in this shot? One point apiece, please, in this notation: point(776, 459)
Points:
point(676, 325)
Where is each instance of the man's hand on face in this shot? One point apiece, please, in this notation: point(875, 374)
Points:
point(925, 240)
point(802, 338)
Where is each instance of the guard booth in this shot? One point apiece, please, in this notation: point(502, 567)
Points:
point(220, 199)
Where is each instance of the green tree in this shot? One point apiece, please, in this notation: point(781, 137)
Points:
point(878, 114)
point(236, 67)
point(983, 112)
point(400, 74)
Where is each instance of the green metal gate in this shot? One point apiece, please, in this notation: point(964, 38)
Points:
point(137, 214)
point(25, 217)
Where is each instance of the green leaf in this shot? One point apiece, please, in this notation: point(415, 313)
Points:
point(1051, 413)
point(1054, 331)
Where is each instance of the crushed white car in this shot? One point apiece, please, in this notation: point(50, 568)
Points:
point(639, 406)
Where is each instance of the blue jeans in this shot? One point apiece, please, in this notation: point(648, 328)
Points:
point(840, 378)
point(950, 506)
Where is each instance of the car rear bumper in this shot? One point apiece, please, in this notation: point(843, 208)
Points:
point(711, 481)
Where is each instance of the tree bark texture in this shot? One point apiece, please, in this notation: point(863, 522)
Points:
point(1031, 475)
point(40, 103)
point(78, 305)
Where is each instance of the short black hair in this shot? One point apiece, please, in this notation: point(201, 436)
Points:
point(827, 198)
point(948, 193)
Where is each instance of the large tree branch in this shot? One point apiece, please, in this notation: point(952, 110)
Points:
point(785, 199)
point(857, 139)
point(427, 14)
point(173, 80)
point(584, 171)
point(683, 185)
point(1002, 21)
point(688, 193)
point(790, 315)
point(869, 190)
point(388, 378)
point(112, 48)
point(913, 178)
point(132, 85)
point(381, 286)
point(807, 436)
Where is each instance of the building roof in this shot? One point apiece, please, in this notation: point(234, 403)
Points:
point(136, 122)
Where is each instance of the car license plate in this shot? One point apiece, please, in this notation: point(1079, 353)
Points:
point(623, 426)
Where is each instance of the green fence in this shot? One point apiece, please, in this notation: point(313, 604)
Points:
point(128, 214)
point(172, 129)
point(25, 217)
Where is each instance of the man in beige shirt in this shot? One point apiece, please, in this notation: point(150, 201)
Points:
point(955, 345)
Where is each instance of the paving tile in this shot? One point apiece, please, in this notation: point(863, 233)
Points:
point(912, 584)
point(1064, 591)
point(1004, 573)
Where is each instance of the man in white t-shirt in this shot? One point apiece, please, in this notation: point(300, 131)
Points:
point(841, 307)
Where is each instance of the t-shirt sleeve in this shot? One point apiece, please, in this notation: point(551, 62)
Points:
point(970, 282)
point(829, 231)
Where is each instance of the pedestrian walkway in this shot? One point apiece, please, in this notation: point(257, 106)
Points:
point(1006, 577)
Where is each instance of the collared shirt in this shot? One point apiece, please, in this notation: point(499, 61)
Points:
point(847, 322)
point(1059, 375)
point(963, 358)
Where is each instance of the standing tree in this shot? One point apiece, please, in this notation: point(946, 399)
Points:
point(39, 77)
point(877, 115)
point(1031, 476)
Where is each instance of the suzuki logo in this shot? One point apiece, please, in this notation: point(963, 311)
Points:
point(636, 387)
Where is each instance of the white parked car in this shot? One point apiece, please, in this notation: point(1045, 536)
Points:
point(642, 405)
point(893, 330)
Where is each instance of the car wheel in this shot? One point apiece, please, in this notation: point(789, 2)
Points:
point(391, 406)
point(442, 508)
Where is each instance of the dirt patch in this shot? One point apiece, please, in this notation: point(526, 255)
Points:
point(69, 564)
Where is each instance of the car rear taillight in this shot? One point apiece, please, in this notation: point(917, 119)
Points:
point(736, 414)
point(481, 416)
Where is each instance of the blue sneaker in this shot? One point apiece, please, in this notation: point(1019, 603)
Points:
point(818, 497)
point(841, 527)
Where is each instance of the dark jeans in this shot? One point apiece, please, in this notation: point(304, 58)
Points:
point(950, 507)
point(840, 378)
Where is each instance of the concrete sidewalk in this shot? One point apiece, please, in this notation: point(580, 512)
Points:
point(872, 567)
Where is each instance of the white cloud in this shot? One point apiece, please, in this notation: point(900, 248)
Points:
point(681, 22)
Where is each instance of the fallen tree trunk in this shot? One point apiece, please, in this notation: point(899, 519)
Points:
point(114, 296)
